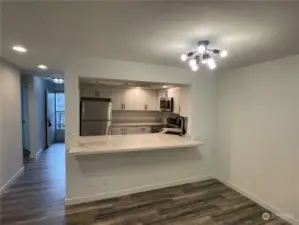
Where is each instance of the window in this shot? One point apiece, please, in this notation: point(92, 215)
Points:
point(60, 108)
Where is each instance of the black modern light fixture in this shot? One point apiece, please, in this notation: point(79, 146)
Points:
point(202, 55)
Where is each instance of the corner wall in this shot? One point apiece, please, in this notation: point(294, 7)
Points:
point(258, 145)
point(96, 177)
point(10, 124)
point(37, 113)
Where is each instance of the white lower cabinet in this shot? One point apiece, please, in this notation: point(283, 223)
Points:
point(144, 130)
point(130, 130)
point(124, 130)
point(116, 131)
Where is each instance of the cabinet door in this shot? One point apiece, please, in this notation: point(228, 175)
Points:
point(116, 98)
point(128, 99)
point(95, 92)
point(177, 101)
point(103, 92)
point(151, 100)
point(140, 102)
point(116, 131)
point(87, 92)
point(144, 130)
point(175, 94)
point(129, 130)
point(161, 93)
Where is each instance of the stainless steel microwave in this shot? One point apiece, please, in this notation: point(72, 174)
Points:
point(166, 104)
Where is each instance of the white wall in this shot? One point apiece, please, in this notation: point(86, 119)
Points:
point(37, 113)
point(10, 124)
point(258, 148)
point(39, 90)
point(90, 178)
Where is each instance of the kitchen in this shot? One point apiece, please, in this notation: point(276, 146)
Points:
point(112, 109)
point(128, 107)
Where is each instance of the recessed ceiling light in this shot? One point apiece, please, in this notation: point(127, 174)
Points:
point(42, 67)
point(165, 86)
point(19, 48)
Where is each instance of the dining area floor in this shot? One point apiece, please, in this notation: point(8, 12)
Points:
point(37, 198)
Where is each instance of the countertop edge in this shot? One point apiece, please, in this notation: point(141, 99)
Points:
point(111, 151)
point(116, 124)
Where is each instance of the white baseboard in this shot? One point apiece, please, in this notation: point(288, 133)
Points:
point(261, 202)
point(37, 155)
point(19, 173)
point(90, 198)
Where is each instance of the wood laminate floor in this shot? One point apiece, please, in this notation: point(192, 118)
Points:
point(37, 198)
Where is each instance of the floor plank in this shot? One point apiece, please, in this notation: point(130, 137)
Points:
point(37, 198)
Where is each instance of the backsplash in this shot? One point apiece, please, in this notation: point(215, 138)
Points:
point(139, 116)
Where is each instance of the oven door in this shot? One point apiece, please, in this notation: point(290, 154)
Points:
point(165, 104)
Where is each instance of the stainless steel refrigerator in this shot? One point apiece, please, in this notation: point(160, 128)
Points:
point(96, 114)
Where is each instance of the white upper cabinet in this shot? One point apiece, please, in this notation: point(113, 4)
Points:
point(128, 99)
point(140, 98)
point(145, 100)
point(151, 100)
point(134, 99)
point(91, 91)
point(116, 98)
point(175, 93)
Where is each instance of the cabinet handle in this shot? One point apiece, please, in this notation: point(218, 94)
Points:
point(124, 106)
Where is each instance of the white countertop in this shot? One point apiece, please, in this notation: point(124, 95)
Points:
point(116, 124)
point(129, 143)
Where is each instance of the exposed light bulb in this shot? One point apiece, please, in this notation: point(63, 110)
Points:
point(211, 63)
point(204, 61)
point(184, 57)
point(195, 68)
point(192, 62)
point(223, 53)
point(201, 48)
point(213, 66)
point(19, 48)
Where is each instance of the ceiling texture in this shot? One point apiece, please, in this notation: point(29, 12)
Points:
point(153, 32)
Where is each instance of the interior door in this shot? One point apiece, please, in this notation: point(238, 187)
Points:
point(50, 118)
point(25, 117)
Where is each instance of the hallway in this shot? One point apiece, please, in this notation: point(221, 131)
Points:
point(37, 197)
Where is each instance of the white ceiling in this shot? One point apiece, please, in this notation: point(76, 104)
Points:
point(150, 32)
